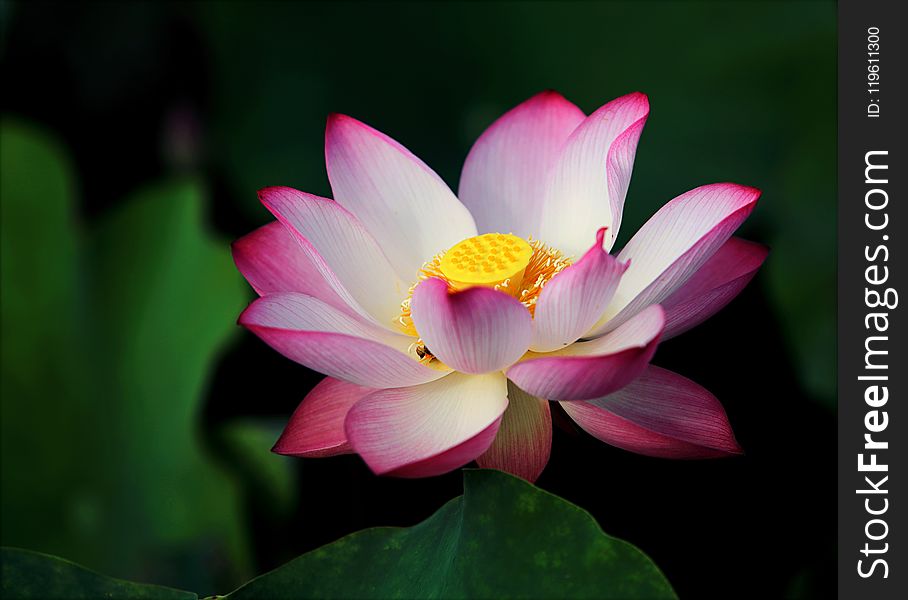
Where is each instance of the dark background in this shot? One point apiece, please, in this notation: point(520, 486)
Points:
point(233, 96)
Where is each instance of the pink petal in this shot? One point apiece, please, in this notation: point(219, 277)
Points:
point(476, 330)
point(659, 414)
point(402, 202)
point(316, 428)
point(575, 298)
point(595, 368)
point(524, 439)
point(673, 244)
point(713, 286)
point(504, 176)
point(342, 250)
point(587, 186)
point(428, 429)
point(619, 167)
point(271, 260)
point(312, 333)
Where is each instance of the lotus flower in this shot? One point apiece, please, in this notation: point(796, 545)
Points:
point(445, 325)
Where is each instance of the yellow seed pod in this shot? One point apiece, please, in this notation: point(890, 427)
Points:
point(487, 260)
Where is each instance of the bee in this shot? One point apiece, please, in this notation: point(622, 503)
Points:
point(423, 353)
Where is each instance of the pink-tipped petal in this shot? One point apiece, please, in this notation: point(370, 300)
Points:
point(524, 441)
point(619, 168)
point(659, 414)
point(591, 369)
point(673, 244)
point(587, 186)
point(428, 429)
point(713, 286)
point(476, 330)
point(272, 261)
point(342, 250)
point(316, 428)
point(504, 175)
point(575, 298)
point(402, 202)
point(314, 334)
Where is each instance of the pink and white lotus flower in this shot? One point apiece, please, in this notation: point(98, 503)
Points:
point(446, 324)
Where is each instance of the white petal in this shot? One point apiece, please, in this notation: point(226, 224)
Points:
point(314, 334)
point(401, 201)
point(348, 256)
point(673, 244)
point(428, 429)
point(503, 178)
point(587, 186)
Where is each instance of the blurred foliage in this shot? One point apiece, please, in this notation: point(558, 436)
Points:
point(495, 541)
point(740, 91)
point(30, 575)
point(108, 333)
point(244, 446)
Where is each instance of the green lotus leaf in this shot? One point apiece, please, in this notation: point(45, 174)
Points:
point(504, 538)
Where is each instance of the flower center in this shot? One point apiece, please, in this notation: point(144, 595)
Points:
point(496, 260)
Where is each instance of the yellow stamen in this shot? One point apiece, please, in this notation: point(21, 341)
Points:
point(544, 264)
point(521, 277)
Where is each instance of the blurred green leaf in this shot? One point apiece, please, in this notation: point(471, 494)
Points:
point(165, 300)
point(44, 389)
point(107, 341)
point(503, 538)
point(30, 575)
point(268, 478)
